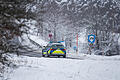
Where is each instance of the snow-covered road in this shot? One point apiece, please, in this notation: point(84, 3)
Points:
point(88, 68)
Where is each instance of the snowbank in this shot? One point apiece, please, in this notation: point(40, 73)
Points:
point(38, 40)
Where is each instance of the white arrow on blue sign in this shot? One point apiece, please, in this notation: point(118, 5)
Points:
point(91, 38)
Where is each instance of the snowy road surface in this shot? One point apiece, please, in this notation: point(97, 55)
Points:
point(88, 68)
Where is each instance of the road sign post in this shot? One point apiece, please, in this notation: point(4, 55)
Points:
point(77, 44)
point(50, 35)
point(91, 41)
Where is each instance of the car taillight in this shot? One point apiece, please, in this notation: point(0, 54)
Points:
point(52, 49)
point(63, 49)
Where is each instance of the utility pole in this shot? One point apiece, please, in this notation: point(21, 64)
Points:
point(77, 43)
point(55, 25)
point(55, 34)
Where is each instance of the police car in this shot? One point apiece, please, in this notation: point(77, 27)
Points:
point(54, 49)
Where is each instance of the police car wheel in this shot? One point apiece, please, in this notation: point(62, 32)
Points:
point(59, 56)
point(43, 55)
point(48, 55)
point(64, 56)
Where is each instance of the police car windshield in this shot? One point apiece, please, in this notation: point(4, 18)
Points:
point(57, 46)
point(47, 47)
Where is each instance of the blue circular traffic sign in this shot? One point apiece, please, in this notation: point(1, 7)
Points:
point(91, 38)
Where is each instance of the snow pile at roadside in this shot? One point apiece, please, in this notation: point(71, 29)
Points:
point(32, 68)
point(7, 67)
point(32, 39)
point(92, 57)
point(38, 40)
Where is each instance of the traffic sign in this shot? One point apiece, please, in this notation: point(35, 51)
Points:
point(50, 35)
point(75, 47)
point(91, 38)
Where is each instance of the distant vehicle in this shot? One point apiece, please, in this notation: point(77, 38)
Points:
point(54, 49)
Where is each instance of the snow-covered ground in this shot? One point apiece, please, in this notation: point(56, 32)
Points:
point(74, 67)
point(85, 68)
